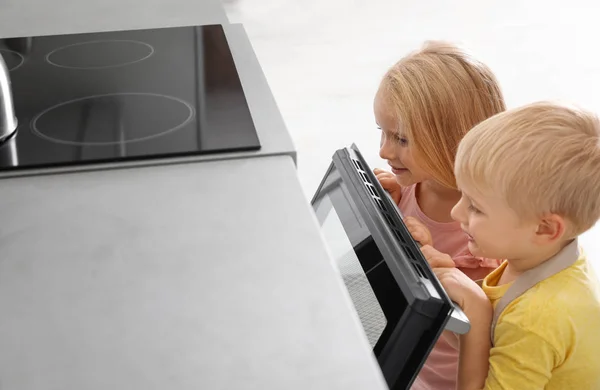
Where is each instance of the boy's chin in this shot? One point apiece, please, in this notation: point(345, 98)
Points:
point(474, 249)
point(477, 251)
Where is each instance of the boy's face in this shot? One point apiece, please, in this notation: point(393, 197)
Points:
point(494, 229)
point(394, 147)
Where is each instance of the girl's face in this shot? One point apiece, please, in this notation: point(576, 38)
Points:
point(394, 147)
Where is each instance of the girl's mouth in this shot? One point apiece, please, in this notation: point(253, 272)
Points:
point(398, 171)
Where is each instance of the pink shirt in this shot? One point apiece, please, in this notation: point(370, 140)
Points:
point(440, 370)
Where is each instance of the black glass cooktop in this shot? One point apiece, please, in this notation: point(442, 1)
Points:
point(128, 95)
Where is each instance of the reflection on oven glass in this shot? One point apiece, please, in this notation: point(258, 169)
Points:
point(355, 279)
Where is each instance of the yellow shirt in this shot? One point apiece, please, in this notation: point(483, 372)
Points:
point(549, 337)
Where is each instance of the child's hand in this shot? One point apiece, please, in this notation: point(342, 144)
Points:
point(437, 259)
point(463, 291)
point(418, 231)
point(389, 183)
point(421, 234)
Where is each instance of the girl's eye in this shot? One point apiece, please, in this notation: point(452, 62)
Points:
point(398, 139)
point(402, 141)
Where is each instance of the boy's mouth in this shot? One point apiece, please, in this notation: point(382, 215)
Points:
point(470, 237)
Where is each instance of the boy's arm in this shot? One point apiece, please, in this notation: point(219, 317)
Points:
point(474, 346)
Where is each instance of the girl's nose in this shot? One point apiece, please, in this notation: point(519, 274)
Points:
point(386, 151)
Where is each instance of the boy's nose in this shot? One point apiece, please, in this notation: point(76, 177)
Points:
point(456, 213)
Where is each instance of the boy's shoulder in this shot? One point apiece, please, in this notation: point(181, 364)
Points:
point(564, 303)
point(560, 316)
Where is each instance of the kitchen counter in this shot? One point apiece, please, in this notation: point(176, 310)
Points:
point(191, 276)
point(37, 17)
point(176, 276)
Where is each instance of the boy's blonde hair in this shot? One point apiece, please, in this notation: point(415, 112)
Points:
point(439, 93)
point(543, 158)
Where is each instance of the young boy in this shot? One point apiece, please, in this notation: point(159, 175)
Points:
point(530, 182)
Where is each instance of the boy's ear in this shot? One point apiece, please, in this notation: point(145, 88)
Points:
point(550, 229)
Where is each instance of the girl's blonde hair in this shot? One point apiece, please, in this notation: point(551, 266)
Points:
point(543, 158)
point(439, 93)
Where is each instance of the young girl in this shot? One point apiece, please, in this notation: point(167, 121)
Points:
point(424, 106)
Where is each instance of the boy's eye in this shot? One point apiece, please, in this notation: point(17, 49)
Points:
point(474, 209)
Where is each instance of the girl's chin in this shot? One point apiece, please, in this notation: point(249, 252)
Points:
point(405, 179)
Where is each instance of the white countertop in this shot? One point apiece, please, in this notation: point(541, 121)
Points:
point(176, 276)
point(192, 276)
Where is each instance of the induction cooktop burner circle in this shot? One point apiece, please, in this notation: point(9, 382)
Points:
point(102, 54)
point(13, 59)
point(112, 119)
